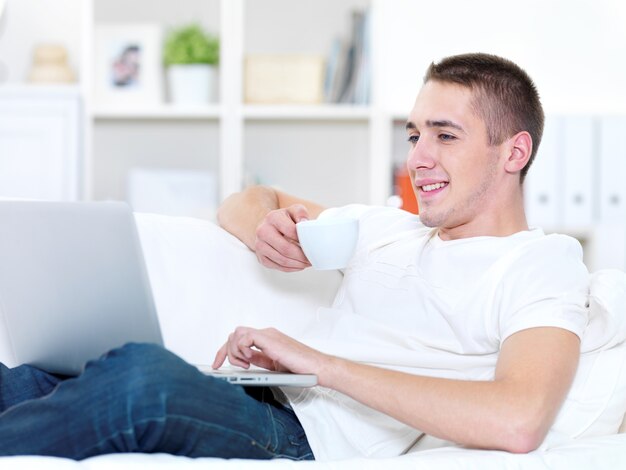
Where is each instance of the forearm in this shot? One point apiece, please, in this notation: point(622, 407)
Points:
point(480, 414)
point(241, 213)
point(513, 412)
point(273, 213)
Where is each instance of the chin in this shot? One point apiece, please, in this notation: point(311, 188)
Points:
point(429, 220)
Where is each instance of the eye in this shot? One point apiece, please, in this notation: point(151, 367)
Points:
point(447, 137)
point(412, 139)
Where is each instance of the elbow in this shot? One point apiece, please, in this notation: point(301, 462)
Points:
point(523, 443)
point(523, 437)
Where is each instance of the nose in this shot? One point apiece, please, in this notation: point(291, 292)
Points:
point(420, 156)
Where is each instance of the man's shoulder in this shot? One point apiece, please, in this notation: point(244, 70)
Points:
point(551, 259)
point(554, 244)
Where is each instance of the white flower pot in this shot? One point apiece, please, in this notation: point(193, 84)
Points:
point(192, 84)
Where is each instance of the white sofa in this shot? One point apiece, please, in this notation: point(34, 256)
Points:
point(206, 282)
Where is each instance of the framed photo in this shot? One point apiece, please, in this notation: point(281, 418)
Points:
point(128, 65)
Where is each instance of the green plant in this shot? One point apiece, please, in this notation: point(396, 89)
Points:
point(191, 45)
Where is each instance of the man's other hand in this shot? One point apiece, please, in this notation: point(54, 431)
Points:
point(276, 244)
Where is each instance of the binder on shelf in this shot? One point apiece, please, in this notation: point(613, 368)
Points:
point(579, 178)
point(403, 188)
point(612, 164)
point(347, 78)
point(542, 188)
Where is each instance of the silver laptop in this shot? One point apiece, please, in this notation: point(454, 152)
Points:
point(73, 285)
point(260, 377)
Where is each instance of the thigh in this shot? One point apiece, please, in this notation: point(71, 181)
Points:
point(169, 406)
point(141, 398)
point(24, 383)
point(207, 416)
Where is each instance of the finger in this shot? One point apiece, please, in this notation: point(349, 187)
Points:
point(235, 356)
point(264, 249)
point(293, 259)
point(268, 263)
point(284, 243)
point(285, 221)
point(245, 342)
point(238, 360)
point(239, 363)
point(261, 360)
point(220, 357)
point(298, 213)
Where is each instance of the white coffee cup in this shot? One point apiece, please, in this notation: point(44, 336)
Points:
point(328, 243)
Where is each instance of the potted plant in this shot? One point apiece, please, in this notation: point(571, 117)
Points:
point(191, 57)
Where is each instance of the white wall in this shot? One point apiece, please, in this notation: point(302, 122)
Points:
point(30, 22)
point(575, 50)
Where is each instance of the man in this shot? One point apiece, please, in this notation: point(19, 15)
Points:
point(462, 323)
point(492, 312)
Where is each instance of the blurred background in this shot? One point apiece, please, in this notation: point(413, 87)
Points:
point(173, 105)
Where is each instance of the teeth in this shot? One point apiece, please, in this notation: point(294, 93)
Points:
point(432, 187)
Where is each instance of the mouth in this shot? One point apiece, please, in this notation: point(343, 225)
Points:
point(429, 188)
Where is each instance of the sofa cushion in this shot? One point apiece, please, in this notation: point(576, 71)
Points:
point(596, 403)
point(206, 283)
point(608, 295)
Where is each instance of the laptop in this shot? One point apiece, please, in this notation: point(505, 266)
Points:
point(73, 285)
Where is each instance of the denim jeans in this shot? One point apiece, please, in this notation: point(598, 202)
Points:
point(142, 398)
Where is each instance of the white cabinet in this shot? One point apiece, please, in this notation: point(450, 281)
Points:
point(40, 143)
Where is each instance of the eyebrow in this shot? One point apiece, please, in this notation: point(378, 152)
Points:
point(440, 123)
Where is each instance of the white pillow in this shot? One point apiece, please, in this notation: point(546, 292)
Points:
point(608, 295)
point(206, 283)
point(597, 400)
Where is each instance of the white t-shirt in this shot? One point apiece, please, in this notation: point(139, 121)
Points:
point(412, 302)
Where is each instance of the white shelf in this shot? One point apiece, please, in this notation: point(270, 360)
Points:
point(252, 112)
point(208, 112)
point(20, 89)
point(328, 112)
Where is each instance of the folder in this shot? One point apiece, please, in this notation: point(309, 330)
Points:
point(542, 188)
point(578, 170)
point(612, 166)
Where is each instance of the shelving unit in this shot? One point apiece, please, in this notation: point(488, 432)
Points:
point(307, 113)
point(236, 124)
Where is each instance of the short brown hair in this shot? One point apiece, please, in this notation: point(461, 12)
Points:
point(506, 98)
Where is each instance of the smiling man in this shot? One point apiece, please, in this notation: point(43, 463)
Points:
point(461, 323)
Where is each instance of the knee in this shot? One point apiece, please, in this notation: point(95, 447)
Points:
point(142, 368)
point(152, 373)
point(139, 355)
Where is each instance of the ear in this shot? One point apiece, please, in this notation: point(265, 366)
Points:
point(519, 150)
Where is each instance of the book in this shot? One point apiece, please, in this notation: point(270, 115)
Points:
point(347, 78)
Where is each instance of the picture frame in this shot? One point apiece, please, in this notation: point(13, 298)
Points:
point(128, 66)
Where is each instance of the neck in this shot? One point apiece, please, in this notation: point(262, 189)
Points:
point(500, 219)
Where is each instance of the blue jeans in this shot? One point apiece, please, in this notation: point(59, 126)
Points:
point(142, 398)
